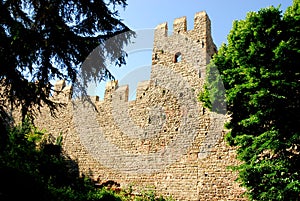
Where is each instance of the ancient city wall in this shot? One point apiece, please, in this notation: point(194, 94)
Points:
point(164, 140)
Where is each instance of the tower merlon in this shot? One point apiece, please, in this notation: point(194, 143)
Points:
point(121, 94)
point(161, 29)
point(202, 24)
point(110, 87)
point(201, 18)
point(142, 87)
point(113, 84)
point(179, 25)
point(200, 14)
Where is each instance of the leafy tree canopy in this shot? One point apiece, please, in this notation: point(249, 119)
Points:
point(260, 69)
point(45, 40)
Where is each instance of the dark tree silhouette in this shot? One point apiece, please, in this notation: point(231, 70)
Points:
point(45, 40)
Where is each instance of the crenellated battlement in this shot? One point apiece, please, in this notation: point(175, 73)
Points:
point(121, 93)
point(200, 35)
point(187, 51)
point(164, 138)
point(201, 24)
point(63, 93)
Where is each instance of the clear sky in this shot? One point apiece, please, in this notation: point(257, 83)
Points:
point(141, 14)
point(147, 14)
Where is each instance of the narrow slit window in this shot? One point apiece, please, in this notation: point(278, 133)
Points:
point(178, 57)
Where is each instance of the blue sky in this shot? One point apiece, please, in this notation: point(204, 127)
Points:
point(141, 15)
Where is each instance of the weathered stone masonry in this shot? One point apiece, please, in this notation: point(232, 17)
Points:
point(164, 140)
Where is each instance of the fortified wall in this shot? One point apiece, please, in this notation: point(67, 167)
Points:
point(164, 140)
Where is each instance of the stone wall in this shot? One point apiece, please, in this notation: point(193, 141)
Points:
point(164, 140)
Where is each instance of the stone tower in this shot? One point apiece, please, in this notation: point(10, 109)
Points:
point(196, 44)
point(164, 140)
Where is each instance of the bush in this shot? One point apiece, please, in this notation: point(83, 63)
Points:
point(32, 168)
